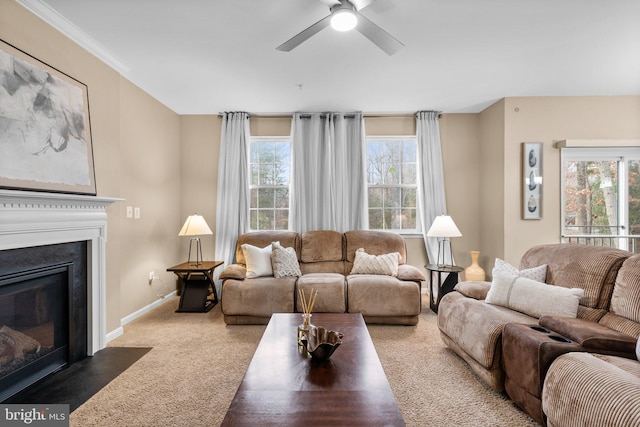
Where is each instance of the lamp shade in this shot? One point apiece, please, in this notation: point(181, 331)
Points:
point(443, 226)
point(195, 225)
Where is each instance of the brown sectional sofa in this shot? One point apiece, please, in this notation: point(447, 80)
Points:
point(326, 259)
point(554, 366)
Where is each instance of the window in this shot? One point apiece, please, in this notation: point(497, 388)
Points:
point(392, 184)
point(270, 166)
point(601, 196)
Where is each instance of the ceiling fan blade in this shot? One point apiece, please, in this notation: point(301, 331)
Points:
point(305, 34)
point(378, 36)
point(361, 4)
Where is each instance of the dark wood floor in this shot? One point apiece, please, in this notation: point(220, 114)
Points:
point(76, 384)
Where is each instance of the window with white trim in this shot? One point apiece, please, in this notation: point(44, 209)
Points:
point(270, 169)
point(392, 181)
point(601, 196)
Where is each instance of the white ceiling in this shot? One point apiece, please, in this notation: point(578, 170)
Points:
point(208, 56)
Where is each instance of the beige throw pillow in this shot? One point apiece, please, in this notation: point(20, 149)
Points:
point(284, 261)
point(539, 273)
point(533, 298)
point(258, 260)
point(386, 264)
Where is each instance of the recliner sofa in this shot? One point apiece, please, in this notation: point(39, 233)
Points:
point(326, 260)
point(539, 362)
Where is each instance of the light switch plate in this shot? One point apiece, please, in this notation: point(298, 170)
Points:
point(136, 213)
point(129, 212)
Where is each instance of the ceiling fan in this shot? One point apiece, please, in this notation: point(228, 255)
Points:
point(345, 16)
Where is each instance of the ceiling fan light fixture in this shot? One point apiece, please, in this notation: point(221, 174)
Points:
point(344, 19)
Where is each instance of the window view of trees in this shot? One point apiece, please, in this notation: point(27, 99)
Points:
point(591, 197)
point(602, 198)
point(392, 183)
point(269, 162)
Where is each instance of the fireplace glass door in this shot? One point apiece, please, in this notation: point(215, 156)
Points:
point(34, 325)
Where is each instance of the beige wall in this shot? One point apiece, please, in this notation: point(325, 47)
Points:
point(150, 177)
point(548, 119)
point(136, 151)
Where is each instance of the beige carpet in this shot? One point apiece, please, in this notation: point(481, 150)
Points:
point(197, 362)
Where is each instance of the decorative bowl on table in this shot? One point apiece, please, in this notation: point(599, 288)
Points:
point(321, 342)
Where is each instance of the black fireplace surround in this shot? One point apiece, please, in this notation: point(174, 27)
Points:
point(43, 312)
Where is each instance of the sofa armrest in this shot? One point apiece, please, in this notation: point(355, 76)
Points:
point(409, 272)
point(593, 336)
point(471, 289)
point(234, 271)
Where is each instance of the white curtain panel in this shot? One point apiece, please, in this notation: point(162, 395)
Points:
point(329, 182)
point(431, 193)
point(232, 208)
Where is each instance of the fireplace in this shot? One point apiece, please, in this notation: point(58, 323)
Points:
point(43, 311)
point(52, 291)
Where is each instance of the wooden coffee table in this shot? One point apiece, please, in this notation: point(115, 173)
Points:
point(283, 386)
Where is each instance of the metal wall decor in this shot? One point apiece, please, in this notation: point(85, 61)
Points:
point(531, 180)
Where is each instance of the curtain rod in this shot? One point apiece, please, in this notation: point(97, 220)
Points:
point(366, 116)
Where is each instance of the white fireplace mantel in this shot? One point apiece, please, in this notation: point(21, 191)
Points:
point(29, 219)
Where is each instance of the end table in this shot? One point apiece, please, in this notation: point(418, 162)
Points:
point(443, 287)
point(196, 282)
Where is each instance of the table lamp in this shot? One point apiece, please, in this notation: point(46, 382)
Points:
point(444, 228)
point(195, 225)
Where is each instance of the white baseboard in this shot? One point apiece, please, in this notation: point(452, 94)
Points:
point(133, 316)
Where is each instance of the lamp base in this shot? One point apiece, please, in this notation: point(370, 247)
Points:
point(442, 250)
point(198, 260)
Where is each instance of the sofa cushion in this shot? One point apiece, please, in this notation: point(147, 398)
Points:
point(258, 260)
point(264, 238)
point(284, 261)
point(533, 298)
point(331, 292)
point(591, 268)
point(538, 273)
point(625, 300)
point(385, 264)
point(259, 297)
point(374, 295)
point(321, 246)
point(374, 243)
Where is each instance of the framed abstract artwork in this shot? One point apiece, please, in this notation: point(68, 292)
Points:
point(45, 133)
point(531, 180)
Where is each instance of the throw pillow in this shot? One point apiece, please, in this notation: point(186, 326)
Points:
point(386, 264)
point(284, 261)
point(258, 260)
point(533, 298)
point(539, 273)
point(638, 349)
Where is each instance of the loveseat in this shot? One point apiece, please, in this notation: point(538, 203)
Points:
point(326, 259)
point(529, 356)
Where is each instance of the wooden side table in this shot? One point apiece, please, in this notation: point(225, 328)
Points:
point(196, 282)
point(443, 287)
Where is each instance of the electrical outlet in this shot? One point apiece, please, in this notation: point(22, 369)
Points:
point(151, 276)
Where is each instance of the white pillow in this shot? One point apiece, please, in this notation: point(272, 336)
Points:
point(284, 261)
point(638, 349)
point(258, 260)
point(386, 264)
point(539, 273)
point(533, 298)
